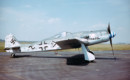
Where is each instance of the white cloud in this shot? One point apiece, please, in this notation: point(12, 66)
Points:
point(53, 20)
point(7, 10)
point(20, 22)
point(28, 18)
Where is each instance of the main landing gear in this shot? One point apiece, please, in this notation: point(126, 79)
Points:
point(13, 55)
point(88, 55)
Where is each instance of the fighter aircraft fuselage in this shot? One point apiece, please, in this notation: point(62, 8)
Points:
point(64, 40)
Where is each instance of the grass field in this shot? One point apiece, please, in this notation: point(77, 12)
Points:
point(97, 47)
point(2, 46)
point(105, 47)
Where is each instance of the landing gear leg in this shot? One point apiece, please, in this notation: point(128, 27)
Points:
point(87, 55)
point(12, 55)
point(89, 50)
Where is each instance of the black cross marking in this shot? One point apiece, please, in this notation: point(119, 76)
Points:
point(45, 47)
point(45, 42)
point(41, 48)
point(40, 43)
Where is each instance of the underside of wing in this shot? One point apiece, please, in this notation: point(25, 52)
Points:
point(66, 44)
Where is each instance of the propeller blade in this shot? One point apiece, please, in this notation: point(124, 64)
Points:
point(109, 30)
point(111, 46)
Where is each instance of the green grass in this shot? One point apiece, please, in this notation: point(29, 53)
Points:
point(2, 46)
point(105, 47)
point(97, 47)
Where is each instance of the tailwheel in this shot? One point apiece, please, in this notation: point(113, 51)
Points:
point(56, 53)
point(93, 61)
point(12, 55)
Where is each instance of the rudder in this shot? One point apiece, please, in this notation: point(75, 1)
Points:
point(11, 44)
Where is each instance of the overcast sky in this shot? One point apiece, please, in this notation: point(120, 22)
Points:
point(34, 20)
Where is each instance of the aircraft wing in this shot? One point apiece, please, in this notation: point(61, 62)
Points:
point(69, 43)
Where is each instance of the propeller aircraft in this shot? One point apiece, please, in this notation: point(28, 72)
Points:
point(64, 40)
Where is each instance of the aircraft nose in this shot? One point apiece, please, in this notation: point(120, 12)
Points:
point(113, 34)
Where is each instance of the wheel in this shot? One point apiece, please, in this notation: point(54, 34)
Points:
point(93, 61)
point(56, 53)
point(12, 55)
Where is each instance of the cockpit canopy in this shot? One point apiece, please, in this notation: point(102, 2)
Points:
point(62, 35)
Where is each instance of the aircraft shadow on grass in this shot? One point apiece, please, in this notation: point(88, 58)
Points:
point(77, 60)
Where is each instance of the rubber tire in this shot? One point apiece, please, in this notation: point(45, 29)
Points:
point(93, 61)
point(12, 55)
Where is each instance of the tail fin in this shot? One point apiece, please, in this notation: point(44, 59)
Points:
point(11, 44)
